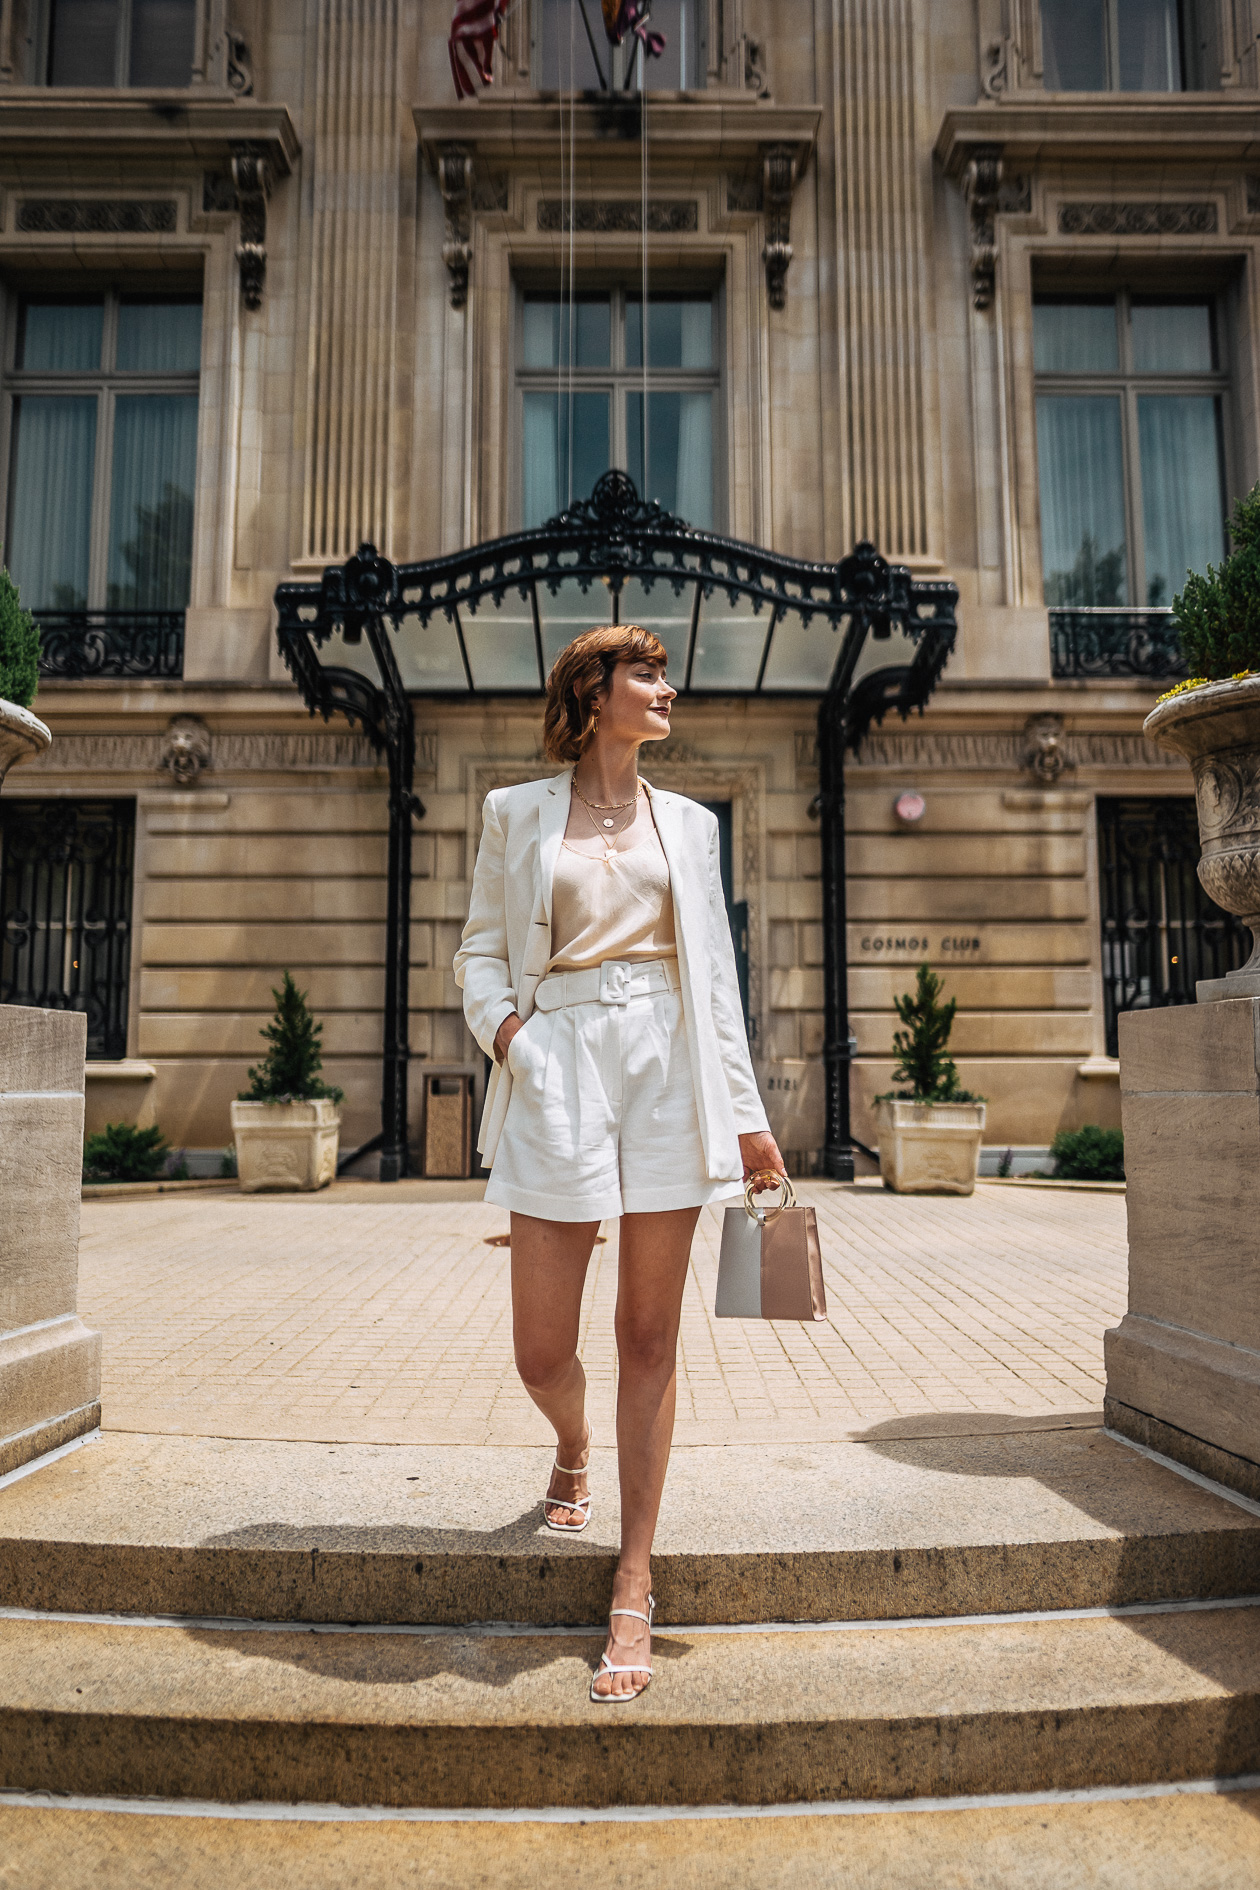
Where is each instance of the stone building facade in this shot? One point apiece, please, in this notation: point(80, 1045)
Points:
point(968, 286)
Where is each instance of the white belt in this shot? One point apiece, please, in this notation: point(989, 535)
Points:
point(616, 981)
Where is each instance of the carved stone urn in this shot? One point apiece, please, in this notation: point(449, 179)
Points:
point(21, 735)
point(1217, 729)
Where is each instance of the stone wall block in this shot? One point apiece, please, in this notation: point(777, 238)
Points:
point(50, 1364)
point(1187, 1353)
point(41, 1166)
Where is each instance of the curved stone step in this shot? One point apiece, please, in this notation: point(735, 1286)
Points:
point(1193, 1841)
point(461, 1719)
point(893, 1528)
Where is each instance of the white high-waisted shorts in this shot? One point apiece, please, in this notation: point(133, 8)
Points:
point(602, 1118)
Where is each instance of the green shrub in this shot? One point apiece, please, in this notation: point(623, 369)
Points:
point(1088, 1154)
point(19, 646)
point(921, 1046)
point(1218, 612)
point(121, 1152)
point(290, 1070)
point(227, 1163)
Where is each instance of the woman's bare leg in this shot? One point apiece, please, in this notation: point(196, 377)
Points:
point(655, 1249)
point(549, 1262)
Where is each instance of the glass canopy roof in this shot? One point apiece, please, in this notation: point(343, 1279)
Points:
point(736, 620)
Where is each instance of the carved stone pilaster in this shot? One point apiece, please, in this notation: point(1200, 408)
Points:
point(252, 177)
point(982, 183)
point(455, 180)
point(778, 177)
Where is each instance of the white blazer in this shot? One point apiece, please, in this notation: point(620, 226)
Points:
point(506, 947)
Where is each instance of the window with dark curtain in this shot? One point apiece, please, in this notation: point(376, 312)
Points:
point(1115, 45)
point(1129, 446)
point(120, 43)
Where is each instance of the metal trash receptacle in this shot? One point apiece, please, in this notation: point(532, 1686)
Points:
point(448, 1127)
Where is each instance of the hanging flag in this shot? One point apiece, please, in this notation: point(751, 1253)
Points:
point(474, 30)
point(632, 16)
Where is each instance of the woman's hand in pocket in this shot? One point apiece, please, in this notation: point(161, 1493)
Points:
point(505, 1033)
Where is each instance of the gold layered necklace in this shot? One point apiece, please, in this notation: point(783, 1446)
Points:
point(608, 828)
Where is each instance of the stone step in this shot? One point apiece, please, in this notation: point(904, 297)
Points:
point(899, 1526)
point(463, 1719)
point(1190, 1841)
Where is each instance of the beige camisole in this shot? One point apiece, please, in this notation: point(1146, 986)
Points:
point(620, 908)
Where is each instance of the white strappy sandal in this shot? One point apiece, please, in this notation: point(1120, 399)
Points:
point(606, 1665)
point(582, 1503)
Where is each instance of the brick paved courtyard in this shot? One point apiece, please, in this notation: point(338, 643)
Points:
point(382, 1320)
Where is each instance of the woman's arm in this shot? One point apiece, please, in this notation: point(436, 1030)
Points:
point(757, 1145)
point(481, 967)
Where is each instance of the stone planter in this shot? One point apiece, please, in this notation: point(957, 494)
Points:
point(1217, 729)
point(22, 735)
point(930, 1148)
point(285, 1147)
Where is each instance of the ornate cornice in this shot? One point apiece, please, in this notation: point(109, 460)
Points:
point(1005, 751)
point(228, 754)
point(1187, 128)
point(92, 128)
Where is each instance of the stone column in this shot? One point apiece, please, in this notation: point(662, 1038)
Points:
point(50, 1364)
point(1183, 1366)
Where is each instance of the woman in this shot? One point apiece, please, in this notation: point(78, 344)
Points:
point(597, 969)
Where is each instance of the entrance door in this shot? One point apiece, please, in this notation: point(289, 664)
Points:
point(1160, 931)
point(65, 911)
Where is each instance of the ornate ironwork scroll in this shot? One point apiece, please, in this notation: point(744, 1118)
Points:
point(1104, 641)
point(77, 644)
point(611, 539)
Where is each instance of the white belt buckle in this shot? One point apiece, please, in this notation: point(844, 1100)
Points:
point(614, 982)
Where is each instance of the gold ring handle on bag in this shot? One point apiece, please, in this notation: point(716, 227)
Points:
point(765, 1217)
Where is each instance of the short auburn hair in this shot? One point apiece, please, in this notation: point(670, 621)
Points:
point(581, 670)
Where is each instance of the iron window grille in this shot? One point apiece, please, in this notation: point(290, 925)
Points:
point(1160, 931)
point(1094, 641)
point(65, 911)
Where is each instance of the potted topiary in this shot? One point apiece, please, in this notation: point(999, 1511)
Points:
point(286, 1124)
point(1214, 721)
point(21, 733)
point(930, 1133)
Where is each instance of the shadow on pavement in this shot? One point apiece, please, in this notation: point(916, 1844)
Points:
point(1132, 1498)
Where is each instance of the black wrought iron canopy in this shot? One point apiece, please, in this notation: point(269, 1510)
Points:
point(371, 637)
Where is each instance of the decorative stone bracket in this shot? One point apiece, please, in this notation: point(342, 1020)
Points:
point(779, 172)
point(251, 174)
point(455, 181)
point(989, 193)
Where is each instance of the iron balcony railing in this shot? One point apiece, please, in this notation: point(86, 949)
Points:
point(77, 644)
point(1102, 640)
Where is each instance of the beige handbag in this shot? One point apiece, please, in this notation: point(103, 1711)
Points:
point(770, 1265)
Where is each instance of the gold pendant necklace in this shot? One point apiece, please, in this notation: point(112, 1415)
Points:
point(610, 838)
point(607, 807)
